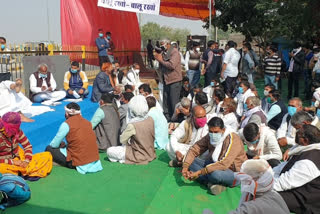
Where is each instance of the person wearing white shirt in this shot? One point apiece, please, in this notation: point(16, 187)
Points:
point(228, 114)
point(262, 143)
point(298, 179)
point(187, 134)
point(43, 86)
point(286, 133)
point(146, 91)
point(244, 93)
point(230, 67)
point(218, 97)
point(133, 77)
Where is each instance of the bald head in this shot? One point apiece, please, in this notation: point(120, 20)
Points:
point(198, 112)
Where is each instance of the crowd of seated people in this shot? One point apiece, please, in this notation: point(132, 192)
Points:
point(218, 138)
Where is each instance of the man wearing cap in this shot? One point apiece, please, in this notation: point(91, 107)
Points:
point(81, 150)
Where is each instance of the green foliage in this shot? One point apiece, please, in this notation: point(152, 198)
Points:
point(264, 20)
point(155, 32)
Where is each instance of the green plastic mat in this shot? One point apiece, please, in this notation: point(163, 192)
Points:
point(119, 188)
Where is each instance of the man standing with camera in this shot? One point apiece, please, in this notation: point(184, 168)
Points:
point(170, 68)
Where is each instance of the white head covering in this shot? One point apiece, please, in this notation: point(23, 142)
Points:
point(138, 109)
point(256, 177)
point(72, 111)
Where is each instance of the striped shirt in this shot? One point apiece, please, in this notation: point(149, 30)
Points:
point(9, 148)
point(272, 65)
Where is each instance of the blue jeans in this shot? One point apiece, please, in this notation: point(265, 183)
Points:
point(194, 77)
point(270, 79)
point(85, 94)
point(221, 177)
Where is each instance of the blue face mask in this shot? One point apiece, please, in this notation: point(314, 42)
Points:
point(245, 106)
point(100, 34)
point(215, 138)
point(318, 113)
point(108, 37)
point(312, 103)
point(255, 142)
point(212, 84)
point(3, 46)
point(43, 75)
point(292, 110)
point(73, 71)
point(240, 90)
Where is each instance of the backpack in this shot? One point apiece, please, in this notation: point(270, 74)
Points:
point(13, 190)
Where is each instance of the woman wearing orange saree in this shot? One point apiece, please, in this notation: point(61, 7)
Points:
point(14, 159)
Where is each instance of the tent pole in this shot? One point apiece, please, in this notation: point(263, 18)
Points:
point(210, 5)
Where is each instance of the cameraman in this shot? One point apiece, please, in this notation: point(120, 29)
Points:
point(170, 68)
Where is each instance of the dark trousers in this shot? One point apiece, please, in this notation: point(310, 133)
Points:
point(230, 84)
point(294, 204)
point(307, 83)
point(171, 96)
point(208, 76)
point(59, 158)
point(150, 60)
point(103, 59)
point(293, 81)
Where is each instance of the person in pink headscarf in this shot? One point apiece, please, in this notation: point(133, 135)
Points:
point(14, 159)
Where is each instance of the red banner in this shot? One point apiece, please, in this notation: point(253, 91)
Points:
point(81, 19)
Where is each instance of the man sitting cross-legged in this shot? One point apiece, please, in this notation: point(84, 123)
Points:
point(81, 151)
point(138, 138)
point(188, 132)
point(226, 155)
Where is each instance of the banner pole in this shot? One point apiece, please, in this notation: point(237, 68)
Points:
point(210, 9)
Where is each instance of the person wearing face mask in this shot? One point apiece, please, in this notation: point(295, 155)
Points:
point(16, 151)
point(215, 83)
point(186, 88)
point(228, 115)
point(212, 59)
point(272, 67)
point(192, 96)
point(103, 47)
point(104, 83)
point(286, 132)
point(106, 122)
point(80, 151)
point(133, 77)
point(4, 58)
point(192, 64)
point(123, 109)
point(298, 179)
point(170, 69)
point(264, 102)
point(188, 132)
point(277, 110)
point(226, 155)
point(248, 61)
point(241, 98)
point(146, 91)
point(43, 87)
point(257, 194)
point(111, 47)
point(76, 82)
point(254, 113)
point(262, 144)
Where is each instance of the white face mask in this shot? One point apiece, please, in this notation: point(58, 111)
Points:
point(136, 71)
point(266, 93)
point(198, 49)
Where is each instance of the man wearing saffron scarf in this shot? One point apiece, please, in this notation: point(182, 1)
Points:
point(81, 151)
point(14, 159)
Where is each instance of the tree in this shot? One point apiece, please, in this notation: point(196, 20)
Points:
point(264, 20)
point(155, 32)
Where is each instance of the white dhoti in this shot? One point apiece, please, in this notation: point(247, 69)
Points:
point(117, 154)
point(49, 97)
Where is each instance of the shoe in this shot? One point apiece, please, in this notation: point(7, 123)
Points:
point(217, 189)
point(175, 163)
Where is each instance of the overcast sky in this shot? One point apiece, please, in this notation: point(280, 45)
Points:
point(27, 20)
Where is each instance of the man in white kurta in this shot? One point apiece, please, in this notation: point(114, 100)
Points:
point(12, 100)
point(181, 139)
